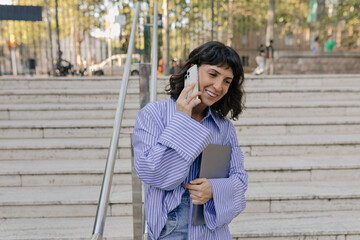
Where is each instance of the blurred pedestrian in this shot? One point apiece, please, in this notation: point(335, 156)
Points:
point(161, 66)
point(173, 66)
point(329, 45)
point(315, 46)
point(178, 65)
point(260, 61)
point(269, 65)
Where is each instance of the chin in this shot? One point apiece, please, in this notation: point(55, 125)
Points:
point(208, 103)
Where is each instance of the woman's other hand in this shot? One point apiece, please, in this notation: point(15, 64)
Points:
point(200, 190)
point(185, 103)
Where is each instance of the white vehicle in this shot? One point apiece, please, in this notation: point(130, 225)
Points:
point(118, 66)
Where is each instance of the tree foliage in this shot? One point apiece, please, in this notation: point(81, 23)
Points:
point(191, 21)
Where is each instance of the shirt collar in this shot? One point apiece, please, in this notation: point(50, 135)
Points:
point(214, 116)
point(210, 113)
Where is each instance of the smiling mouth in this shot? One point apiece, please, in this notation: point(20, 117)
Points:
point(211, 94)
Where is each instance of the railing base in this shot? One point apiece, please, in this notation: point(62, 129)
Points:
point(96, 236)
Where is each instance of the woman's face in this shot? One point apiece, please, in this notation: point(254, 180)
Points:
point(214, 83)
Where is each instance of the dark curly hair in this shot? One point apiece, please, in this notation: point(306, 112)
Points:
point(215, 53)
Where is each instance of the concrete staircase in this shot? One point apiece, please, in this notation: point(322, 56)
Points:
point(300, 136)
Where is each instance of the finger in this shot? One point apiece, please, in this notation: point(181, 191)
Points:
point(198, 181)
point(185, 185)
point(192, 187)
point(194, 103)
point(194, 195)
point(197, 201)
point(194, 200)
point(193, 96)
point(186, 90)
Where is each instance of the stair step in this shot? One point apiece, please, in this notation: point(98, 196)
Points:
point(61, 128)
point(107, 111)
point(301, 109)
point(28, 167)
point(61, 201)
point(244, 126)
point(264, 104)
point(63, 96)
point(260, 226)
point(332, 225)
point(297, 126)
point(61, 148)
point(71, 228)
point(65, 111)
point(300, 145)
point(111, 95)
point(260, 169)
point(61, 172)
point(301, 168)
point(65, 83)
point(297, 121)
point(303, 196)
point(97, 148)
point(328, 80)
point(302, 94)
point(304, 145)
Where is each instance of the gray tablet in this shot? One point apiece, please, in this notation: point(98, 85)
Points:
point(215, 163)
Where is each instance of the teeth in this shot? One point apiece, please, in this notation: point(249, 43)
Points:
point(211, 94)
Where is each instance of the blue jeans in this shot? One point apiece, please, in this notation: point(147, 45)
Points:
point(176, 227)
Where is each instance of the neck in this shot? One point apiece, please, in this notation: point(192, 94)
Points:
point(198, 112)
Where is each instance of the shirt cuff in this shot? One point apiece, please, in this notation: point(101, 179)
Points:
point(219, 210)
point(186, 136)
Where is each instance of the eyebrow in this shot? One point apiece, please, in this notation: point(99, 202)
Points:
point(220, 73)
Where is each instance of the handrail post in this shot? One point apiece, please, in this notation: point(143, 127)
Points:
point(154, 55)
point(137, 207)
point(153, 91)
point(99, 224)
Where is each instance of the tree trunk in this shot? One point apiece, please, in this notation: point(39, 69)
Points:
point(50, 38)
point(212, 20)
point(72, 38)
point(166, 39)
point(88, 52)
point(78, 39)
point(77, 48)
point(230, 25)
point(57, 28)
point(271, 22)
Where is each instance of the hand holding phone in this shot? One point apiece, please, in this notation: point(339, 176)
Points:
point(185, 103)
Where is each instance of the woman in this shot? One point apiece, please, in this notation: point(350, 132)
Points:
point(170, 135)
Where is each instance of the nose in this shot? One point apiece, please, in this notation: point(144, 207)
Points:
point(218, 85)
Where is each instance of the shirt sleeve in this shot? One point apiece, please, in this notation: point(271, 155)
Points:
point(163, 155)
point(228, 193)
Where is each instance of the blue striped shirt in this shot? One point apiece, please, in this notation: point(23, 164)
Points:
point(167, 144)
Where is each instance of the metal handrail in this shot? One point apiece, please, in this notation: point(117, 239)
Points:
point(99, 224)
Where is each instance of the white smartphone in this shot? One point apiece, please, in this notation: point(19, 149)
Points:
point(191, 76)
